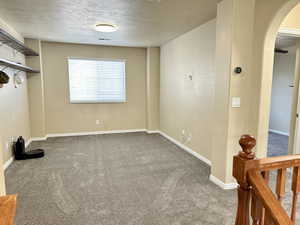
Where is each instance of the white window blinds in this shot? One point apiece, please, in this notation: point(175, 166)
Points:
point(96, 81)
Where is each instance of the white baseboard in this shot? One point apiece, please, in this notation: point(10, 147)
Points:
point(7, 163)
point(153, 131)
point(218, 182)
point(86, 133)
point(221, 184)
point(187, 149)
point(279, 132)
point(38, 139)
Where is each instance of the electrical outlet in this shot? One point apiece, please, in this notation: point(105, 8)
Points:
point(186, 136)
point(189, 138)
point(99, 123)
point(183, 136)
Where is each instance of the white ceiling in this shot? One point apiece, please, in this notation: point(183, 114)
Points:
point(140, 22)
point(284, 41)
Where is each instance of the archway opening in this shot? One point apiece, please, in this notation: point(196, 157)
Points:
point(264, 64)
point(282, 120)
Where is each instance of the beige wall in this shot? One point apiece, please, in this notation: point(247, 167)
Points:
point(292, 20)
point(153, 88)
point(2, 179)
point(295, 101)
point(36, 91)
point(63, 117)
point(224, 35)
point(235, 23)
point(282, 93)
point(14, 111)
point(187, 104)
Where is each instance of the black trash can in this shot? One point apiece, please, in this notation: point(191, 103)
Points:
point(20, 151)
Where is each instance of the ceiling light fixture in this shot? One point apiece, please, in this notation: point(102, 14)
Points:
point(106, 27)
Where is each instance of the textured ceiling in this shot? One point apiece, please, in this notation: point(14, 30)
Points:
point(140, 22)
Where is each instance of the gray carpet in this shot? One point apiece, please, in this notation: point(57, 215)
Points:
point(117, 179)
point(277, 144)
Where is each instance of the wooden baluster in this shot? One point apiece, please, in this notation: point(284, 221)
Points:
point(280, 185)
point(268, 219)
point(264, 219)
point(296, 190)
point(240, 165)
point(256, 209)
point(266, 176)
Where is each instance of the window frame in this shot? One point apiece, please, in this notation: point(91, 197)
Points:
point(97, 102)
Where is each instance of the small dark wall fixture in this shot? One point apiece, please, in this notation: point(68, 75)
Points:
point(238, 70)
point(282, 51)
point(4, 78)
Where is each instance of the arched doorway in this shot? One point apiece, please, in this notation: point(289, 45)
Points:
point(268, 18)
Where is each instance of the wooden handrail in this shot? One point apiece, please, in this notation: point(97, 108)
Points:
point(252, 176)
point(278, 162)
point(7, 209)
point(264, 193)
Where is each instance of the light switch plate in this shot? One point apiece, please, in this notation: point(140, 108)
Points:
point(236, 102)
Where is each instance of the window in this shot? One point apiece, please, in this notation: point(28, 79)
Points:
point(96, 81)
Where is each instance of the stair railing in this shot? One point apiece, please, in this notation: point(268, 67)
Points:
point(256, 200)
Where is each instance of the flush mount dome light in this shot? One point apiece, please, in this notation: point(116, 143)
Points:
point(106, 27)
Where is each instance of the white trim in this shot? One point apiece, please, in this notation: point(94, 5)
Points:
point(215, 180)
point(8, 162)
point(97, 59)
point(279, 132)
point(153, 132)
point(39, 139)
point(95, 133)
point(86, 133)
point(292, 32)
point(187, 149)
point(221, 184)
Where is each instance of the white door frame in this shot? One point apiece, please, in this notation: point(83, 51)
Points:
point(296, 148)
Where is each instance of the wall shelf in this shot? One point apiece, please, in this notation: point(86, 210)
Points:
point(9, 40)
point(17, 66)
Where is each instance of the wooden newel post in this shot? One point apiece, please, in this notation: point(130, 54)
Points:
point(241, 164)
